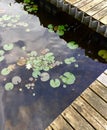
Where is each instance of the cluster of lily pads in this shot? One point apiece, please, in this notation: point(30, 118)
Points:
point(30, 6)
point(103, 54)
point(12, 21)
point(39, 66)
point(60, 29)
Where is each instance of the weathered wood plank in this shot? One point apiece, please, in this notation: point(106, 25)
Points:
point(60, 124)
point(72, 1)
point(95, 119)
point(76, 120)
point(90, 5)
point(100, 14)
point(97, 8)
point(82, 3)
point(106, 69)
point(104, 20)
point(99, 89)
point(103, 79)
point(95, 101)
point(49, 128)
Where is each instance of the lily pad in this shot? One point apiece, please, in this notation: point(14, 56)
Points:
point(50, 26)
point(103, 54)
point(5, 71)
point(72, 45)
point(1, 58)
point(35, 74)
point(70, 60)
point(1, 52)
point(16, 80)
point(68, 78)
point(45, 76)
point(8, 47)
point(60, 32)
point(55, 83)
point(9, 86)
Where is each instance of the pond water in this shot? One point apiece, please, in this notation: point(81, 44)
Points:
point(40, 73)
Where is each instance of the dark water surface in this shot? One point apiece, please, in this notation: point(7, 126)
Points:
point(28, 103)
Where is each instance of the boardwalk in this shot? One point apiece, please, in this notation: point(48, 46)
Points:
point(88, 111)
point(95, 8)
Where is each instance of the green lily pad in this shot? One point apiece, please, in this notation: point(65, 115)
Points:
point(5, 71)
point(55, 83)
point(8, 47)
point(1, 58)
point(72, 45)
point(60, 32)
point(70, 60)
point(50, 30)
point(68, 78)
point(1, 52)
point(35, 74)
point(50, 26)
point(61, 27)
point(9, 86)
point(33, 53)
point(103, 54)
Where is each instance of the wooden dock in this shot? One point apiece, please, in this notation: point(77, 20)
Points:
point(88, 111)
point(95, 8)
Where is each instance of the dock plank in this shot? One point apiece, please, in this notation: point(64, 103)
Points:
point(99, 89)
point(96, 102)
point(97, 8)
point(76, 120)
point(90, 5)
point(60, 124)
point(82, 3)
point(95, 119)
point(103, 79)
point(72, 1)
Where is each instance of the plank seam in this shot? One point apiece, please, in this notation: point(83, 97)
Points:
point(67, 121)
point(101, 83)
point(97, 94)
point(93, 107)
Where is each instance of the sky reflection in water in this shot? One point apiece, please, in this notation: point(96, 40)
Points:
point(34, 108)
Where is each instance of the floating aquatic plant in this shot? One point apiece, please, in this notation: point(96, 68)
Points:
point(68, 78)
point(36, 73)
point(1, 58)
point(8, 47)
point(55, 83)
point(70, 60)
point(16, 80)
point(60, 29)
point(45, 76)
point(103, 54)
point(1, 52)
point(72, 45)
point(5, 71)
point(9, 86)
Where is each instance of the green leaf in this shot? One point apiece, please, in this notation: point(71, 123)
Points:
point(1, 58)
point(45, 76)
point(16, 80)
point(50, 26)
point(61, 28)
point(55, 83)
point(5, 71)
point(72, 45)
point(103, 54)
point(9, 86)
point(8, 47)
point(1, 52)
point(60, 32)
point(68, 78)
point(70, 60)
point(35, 74)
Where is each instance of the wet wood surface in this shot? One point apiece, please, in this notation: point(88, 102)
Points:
point(88, 111)
point(95, 8)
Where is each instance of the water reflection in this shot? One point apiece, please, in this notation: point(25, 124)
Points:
point(34, 107)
